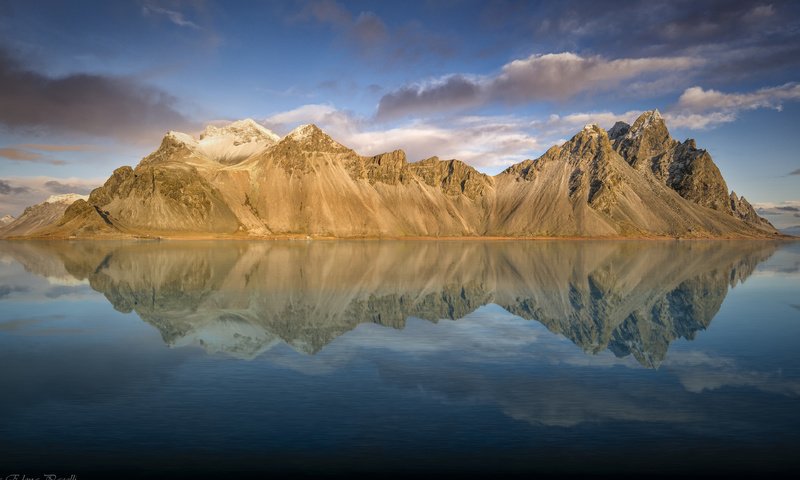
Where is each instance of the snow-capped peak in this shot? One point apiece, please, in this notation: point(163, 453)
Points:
point(303, 132)
point(181, 137)
point(6, 219)
point(67, 198)
point(241, 131)
point(312, 136)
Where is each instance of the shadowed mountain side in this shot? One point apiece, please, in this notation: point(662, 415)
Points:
point(242, 298)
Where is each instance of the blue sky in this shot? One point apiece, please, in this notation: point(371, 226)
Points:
point(86, 87)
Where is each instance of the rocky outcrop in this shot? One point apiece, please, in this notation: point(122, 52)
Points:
point(242, 180)
point(742, 209)
point(647, 146)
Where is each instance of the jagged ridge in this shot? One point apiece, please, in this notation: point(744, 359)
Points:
point(634, 181)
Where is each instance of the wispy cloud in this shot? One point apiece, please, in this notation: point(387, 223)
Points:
point(19, 155)
point(795, 172)
point(58, 148)
point(536, 78)
point(173, 16)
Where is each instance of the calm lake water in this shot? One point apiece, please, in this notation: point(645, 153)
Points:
point(330, 357)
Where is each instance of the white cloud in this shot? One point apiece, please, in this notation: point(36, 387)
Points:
point(698, 108)
point(698, 121)
point(696, 99)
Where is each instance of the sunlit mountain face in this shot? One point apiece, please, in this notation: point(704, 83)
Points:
point(90, 87)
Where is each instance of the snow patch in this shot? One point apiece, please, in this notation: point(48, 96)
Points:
point(67, 198)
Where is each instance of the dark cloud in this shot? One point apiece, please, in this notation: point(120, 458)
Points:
point(58, 187)
point(740, 38)
point(789, 209)
point(795, 172)
point(7, 189)
point(453, 93)
point(90, 104)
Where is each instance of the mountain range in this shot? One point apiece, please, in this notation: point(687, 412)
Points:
point(244, 181)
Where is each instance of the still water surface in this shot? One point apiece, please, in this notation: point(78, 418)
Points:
point(556, 356)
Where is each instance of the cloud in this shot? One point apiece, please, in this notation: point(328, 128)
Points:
point(698, 121)
point(479, 140)
point(795, 172)
point(58, 187)
point(7, 189)
point(91, 104)
point(781, 214)
point(19, 155)
point(555, 76)
point(58, 148)
point(698, 108)
point(173, 16)
point(17, 193)
point(696, 99)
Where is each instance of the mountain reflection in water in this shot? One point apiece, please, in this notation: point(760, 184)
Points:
point(242, 298)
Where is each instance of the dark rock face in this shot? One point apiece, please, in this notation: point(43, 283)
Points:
point(742, 209)
point(648, 146)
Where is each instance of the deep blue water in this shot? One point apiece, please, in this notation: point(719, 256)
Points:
point(185, 358)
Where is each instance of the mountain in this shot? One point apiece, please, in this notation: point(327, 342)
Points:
point(632, 298)
point(242, 180)
point(6, 219)
point(38, 216)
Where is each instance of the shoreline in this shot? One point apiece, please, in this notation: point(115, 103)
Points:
point(309, 238)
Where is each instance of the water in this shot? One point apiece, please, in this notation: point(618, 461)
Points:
point(141, 359)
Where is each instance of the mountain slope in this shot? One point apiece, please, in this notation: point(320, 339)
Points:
point(242, 180)
point(40, 215)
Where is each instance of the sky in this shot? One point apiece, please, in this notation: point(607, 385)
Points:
point(86, 87)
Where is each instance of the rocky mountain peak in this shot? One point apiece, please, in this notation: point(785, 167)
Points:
point(6, 219)
point(590, 140)
point(311, 138)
